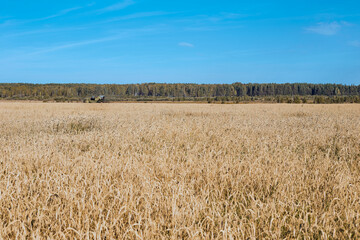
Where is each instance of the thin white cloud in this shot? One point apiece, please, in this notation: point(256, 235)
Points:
point(212, 28)
point(229, 15)
point(32, 52)
point(346, 24)
point(91, 4)
point(41, 31)
point(327, 29)
point(139, 15)
point(59, 14)
point(186, 44)
point(355, 43)
point(8, 23)
point(115, 7)
point(75, 44)
point(120, 35)
point(223, 16)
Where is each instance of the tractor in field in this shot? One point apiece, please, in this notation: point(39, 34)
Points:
point(93, 99)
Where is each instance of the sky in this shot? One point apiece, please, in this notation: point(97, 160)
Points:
point(188, 41)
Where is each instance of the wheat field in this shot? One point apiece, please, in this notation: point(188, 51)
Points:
point(179, 171)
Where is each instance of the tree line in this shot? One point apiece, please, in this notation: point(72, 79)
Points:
point(295, 92)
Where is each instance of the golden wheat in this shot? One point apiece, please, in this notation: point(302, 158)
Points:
point(170, 171)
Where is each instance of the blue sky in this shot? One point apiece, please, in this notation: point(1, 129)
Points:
point(197, 41)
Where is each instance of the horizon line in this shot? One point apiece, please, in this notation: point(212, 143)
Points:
point(188, 83)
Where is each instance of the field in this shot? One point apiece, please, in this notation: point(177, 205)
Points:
point(160, 171)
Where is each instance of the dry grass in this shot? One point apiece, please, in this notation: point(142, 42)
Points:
point(160, 171)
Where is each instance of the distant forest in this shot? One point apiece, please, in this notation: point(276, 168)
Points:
point(236, 92)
